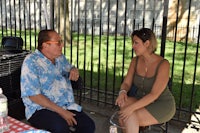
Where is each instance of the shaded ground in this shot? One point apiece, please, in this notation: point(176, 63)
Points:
point(101, 115)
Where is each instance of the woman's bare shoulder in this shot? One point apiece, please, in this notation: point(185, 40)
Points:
point(164, 64)
point(133, 61)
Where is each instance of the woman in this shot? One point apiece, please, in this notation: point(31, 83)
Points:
point(148, 72)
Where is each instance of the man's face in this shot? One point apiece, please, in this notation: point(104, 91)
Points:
point(54, 46)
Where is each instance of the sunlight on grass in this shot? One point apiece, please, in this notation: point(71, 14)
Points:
point(111, 50)
point(109, 57)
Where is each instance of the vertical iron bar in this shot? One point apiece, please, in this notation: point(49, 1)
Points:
point(99, 61)
point(85, 42)
point(175, 36)
point(77, 48)
point(15, 17)
point(164, 27)
point(35, 21)
point(72, 20)
point(195, 69)
point(52, 14)
point(6, 18)
point(64, 8)
point(29, 6)
point(72, 7)
point(92, 50)
point(185, 54)
point(107, 50)
point(133, 28)
point(144, 14)
point(184, 60)
point(174, 52)
point(40, 14)
point(135, 3)
point(20, 23)
point(25, 24)
point(78, 37)
point(153, 22)
point(2, 23)
point(10, 17)
point(58, 19)
point(115, 54)
point(124, 47)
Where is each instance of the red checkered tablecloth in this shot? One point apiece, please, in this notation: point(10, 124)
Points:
point(16, 126)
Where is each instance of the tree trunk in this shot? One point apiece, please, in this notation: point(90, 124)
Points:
point(63, 19)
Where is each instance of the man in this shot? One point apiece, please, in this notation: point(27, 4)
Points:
point(46, 88)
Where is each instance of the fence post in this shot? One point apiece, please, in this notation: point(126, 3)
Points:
point(164, 27)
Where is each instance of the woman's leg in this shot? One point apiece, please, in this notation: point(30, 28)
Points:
point(138, 118)
point(131, 100)
point(50, 121)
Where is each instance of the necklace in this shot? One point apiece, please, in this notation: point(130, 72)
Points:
point(146, 70)
point(145, 75)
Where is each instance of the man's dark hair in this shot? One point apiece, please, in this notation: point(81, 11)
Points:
point(43, 36)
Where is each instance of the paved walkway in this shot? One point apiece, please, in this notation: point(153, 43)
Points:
point(101, 116)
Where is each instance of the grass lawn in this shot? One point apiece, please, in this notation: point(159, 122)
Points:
point(113, 51)
point(104, 61)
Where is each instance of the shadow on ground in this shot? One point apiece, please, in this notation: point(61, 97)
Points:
point(101, 115)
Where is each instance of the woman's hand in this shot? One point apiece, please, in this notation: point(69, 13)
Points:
point(126, 112)
point(121, 99)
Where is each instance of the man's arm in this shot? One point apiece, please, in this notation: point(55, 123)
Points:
point(74, 74)
point(45, 102)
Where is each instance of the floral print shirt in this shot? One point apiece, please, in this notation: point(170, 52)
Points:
point(40, 76)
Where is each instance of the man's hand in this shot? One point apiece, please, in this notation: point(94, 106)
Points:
point(74, 74)
point(69, 117)
point(45, 102)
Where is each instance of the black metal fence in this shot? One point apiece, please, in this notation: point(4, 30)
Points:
point(100, 45)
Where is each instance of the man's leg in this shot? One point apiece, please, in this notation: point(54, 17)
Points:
point(84, 123)
point(50, 121)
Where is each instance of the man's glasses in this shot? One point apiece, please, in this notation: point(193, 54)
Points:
point(59, 43)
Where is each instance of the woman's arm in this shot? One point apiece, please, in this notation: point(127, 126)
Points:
point(126, 85)
point(158, 87)
point(127, 82)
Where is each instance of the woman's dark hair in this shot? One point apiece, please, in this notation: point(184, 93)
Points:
point(146, 34)
point(43, 36)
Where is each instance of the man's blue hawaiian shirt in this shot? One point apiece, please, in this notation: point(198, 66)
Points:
point(40, 76)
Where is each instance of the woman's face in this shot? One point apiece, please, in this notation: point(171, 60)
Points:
point(138, 45)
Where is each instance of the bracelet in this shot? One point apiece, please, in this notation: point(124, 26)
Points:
point(122, 90)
